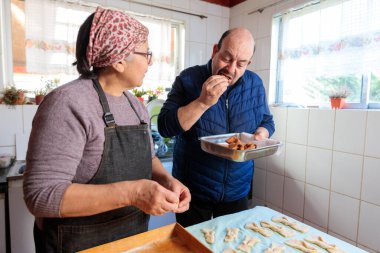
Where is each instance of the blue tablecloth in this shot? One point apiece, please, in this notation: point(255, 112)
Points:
point(257, 214)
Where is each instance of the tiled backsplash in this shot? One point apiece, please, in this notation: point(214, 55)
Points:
point(14, 120)
point(327, 173)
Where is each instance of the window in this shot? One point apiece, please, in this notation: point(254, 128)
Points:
point(327, 46)
point(43, 43)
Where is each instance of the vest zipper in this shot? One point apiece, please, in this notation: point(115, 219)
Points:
point(226, 162)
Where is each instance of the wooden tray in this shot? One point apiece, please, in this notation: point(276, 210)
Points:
point(172, 238)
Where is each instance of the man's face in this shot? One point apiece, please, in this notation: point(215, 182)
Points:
point(232, 59)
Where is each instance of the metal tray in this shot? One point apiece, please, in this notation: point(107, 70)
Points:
point(216, 145)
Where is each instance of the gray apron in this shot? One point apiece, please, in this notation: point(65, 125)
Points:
point(126, 156)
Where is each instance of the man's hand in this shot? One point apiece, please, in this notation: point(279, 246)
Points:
point(212, 89)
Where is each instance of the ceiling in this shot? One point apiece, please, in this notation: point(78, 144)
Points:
point(226, 3)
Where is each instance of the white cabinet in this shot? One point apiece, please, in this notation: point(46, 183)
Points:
point(2, 223)
point(20, 219)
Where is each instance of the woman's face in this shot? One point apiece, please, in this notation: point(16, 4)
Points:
point(137, 65)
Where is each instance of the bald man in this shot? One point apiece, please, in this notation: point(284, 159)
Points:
point(220, 97)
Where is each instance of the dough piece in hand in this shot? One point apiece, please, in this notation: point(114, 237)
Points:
point(253, 226)
point(229, 250)
point(275, 249)
point(319, 241)
point(279, 229)
point(209, 235)
point(248, 243)
point(294, 225)
point(301, 245)
point(231, 234)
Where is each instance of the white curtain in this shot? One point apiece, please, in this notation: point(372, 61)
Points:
point(51, 29)
point(162, 72)
point(334, 38)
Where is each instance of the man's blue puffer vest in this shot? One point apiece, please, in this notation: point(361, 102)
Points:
point(242, 108)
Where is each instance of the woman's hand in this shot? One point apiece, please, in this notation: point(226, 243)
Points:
point(153, 198)
point(182, 192)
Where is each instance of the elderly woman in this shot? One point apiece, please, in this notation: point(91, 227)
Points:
point(91, 174)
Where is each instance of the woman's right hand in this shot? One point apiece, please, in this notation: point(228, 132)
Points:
point(152, 198)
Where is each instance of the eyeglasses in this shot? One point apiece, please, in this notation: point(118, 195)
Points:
point(148, 55)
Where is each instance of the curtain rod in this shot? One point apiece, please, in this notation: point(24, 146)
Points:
point(168, 9)
point(260, 10)
point(81, 2)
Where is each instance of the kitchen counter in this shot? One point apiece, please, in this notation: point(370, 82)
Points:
point(15, 172)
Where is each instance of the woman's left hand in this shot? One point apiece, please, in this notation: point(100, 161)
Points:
point(183, 194)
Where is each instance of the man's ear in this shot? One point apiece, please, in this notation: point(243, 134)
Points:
point(215, 49)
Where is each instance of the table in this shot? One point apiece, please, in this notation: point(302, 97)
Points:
point(257, 214)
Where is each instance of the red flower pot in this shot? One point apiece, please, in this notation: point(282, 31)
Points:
point(337, 103)
point(39, 99)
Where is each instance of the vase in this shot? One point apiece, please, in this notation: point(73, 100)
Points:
point(337, 103)
point(39, 99)
point(141, 99)
point(21, 99)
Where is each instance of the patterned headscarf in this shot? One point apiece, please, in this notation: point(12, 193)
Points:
point(113, 36)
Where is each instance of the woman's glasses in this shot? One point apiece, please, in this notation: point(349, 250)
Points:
point(148, 55)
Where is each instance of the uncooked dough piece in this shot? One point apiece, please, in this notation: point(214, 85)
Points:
point(209, 235)
point(275, 249)
point(301, 245)
point(248, 243)
point(294, 225)
point(231, 234)
point(279, 229)
point(253, 226)
point(229, 250)
point(319, 241)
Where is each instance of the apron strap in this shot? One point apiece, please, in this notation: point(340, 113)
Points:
point(107, 116)
point(142, 122)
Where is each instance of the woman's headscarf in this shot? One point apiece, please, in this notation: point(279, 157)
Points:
point(113, 36)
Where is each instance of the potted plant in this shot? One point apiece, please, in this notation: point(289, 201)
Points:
point(338, 98)
point(40, 94)
point(153, 94)
point(139, 93)
point(13, 96)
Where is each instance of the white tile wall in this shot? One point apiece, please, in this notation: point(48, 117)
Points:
point(274, 189)
point(344, 215)
point(321, 128)
point(373, 134)
point(318, 167)
point(346, 175)
point(371, 176)
point(259, 183)
point(324, 182)
point(294, 192)
point(295, 161)
point(297, 126)
point(316, 205)
point(350, 127)
point(369, 228)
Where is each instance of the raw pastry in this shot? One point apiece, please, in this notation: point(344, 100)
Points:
point(229, 250)
point(294, 225)
point(248, 243)
point(301, 245)
point(319, 241)
point(279, 229)
point(275, 249)
point(231, 234)
point(209, 235)
point(253, 226)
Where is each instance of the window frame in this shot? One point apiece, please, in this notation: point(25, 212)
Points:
point(278, 98)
